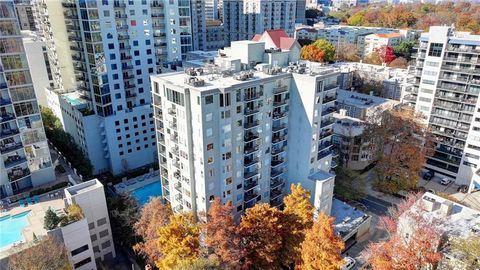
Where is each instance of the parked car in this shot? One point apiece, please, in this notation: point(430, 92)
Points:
point(431, 191)
point(445, 181)
point(428, 175)
point(349, 263)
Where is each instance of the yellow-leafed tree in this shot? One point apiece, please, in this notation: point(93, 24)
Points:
point(179, 241)
point(322, 247)
point(261, 229)
point(297, 217)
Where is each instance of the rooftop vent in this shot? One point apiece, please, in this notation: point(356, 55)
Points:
point(243, 76)
point(194, 81)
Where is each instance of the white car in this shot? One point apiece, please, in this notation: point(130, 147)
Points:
point(349, 263)
point(445, 181)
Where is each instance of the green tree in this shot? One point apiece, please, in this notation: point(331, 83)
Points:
point(199, 264)
point(124, 213)
point(469, 248)
point(327, 48)
point(404, 49)
point(50, 220)
point(357, 19)
point(348, 184)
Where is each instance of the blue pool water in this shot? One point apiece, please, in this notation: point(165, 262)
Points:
point(11, 228)
point(143, 194)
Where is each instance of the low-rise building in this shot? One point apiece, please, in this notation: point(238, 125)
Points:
point(353, 151)
point(393, 82)
point(362, 106)
point(86, 239)
point(377, 40)
point(453, 220)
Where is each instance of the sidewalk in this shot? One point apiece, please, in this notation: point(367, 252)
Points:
point(368, 178)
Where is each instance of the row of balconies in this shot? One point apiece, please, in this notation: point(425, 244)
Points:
point(9, 147)
point(14, 160)
point(4, 133)
point(17, 174)
point(6, 116)
point(252, 95)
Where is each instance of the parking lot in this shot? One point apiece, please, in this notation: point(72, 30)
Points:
point(434, 184)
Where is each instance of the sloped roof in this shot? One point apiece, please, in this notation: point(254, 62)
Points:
point(389, 35)
point(277, 38)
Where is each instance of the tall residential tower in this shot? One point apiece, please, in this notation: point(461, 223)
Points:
point(25, 159)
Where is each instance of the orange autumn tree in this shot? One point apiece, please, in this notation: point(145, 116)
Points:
point(312, 53)
point(261, 229)
point(414, 238)
point(400, 143)
point(154, 215)
point(298, 218)
point(322, 248)
point(178, 241)
point(223, 237)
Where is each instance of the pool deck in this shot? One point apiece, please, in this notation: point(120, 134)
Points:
point(137, 182)
point(35, 218)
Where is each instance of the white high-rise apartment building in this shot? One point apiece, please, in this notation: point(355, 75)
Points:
point(104, 52)
point(245, 128)
point(446, 93)
point(25, 160)
point(242, 19)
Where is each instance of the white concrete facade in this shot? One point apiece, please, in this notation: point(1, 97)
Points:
point(446, 92)
point(90, 196)
point(228, 136)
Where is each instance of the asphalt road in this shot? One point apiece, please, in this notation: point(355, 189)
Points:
point(377, 206)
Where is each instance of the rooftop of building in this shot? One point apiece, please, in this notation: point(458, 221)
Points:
point(210, 23)
point(374, 69)
point(361, 100)
point(276, 38)
point(346, 125)
point(75, 99)
point(347, 218)
point(321, 176)
point(455, 37)
point(456, 220)
point(387, 35)
point(83, 187)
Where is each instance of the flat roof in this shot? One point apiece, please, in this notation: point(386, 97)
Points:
point(321, 176)
point(83, 187)
point(360, 100)
point(347, 218)
point(74, 99)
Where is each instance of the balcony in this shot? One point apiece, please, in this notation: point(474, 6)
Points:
point(158, 15)
point(172, 111)
point(250, 136)
point(330, 87)
point(250, 184)
point(118, 4)
point(277, 202)
point(278, 150)
point(156, 4)
point(279, 103)
point(5, 101)
point(13, 161)
point(178, 186)
point(279, 115)
point(123, 37)
point(277, 162)
point(327, 99)
point(276, 172)
point(250, 196)
point(17, 174)
point(179, 198)
point(323, 154)
point(8, 133)
point(250, 149)
point(247, 162)
point(120, 16)
point(6, 117)
point(329, 110)
point(8, 147)
point(76, 48)
point(279, 138)
point(275, 193)
point(252, 96)
point(325, 134)
point(249, 174)
point(251, 124)
point(277, 182)
point(279, 127)
point(251, 110)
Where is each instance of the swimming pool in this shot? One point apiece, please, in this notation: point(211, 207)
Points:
point(143, 194)
point(11, 228)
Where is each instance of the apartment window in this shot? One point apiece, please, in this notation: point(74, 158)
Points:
point(432, 64)
point(82, 263)
point(428, 82)
point(112, 56)
point(472, 156)
point(474, 147)
point(101, 221)
point(210, 146)
point(435, 49)
point(209, 132)
point(430, 73)
point(227, 156)
point(228, 181)
point(239, 208)
point(469, 164)
point(103, 233)
point(79, 250)
point(424, 99)
point(136, 53)
point(210, 160)
point(135, 43)
point(426, 91)
point(209, 99)
point(106, 244)
point(91, 225)
point(93, 237)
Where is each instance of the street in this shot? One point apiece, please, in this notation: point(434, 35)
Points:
point(376, 206)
